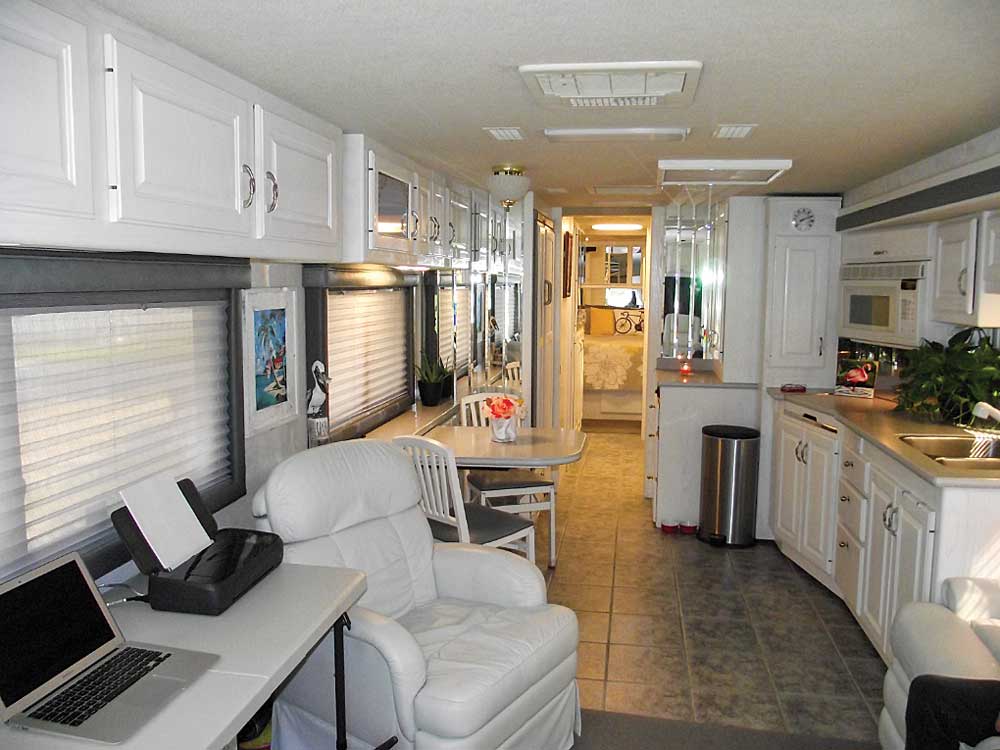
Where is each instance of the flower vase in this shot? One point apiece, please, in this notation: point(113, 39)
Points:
point(503, 430)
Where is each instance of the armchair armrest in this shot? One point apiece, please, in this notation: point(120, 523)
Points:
point(931, 639)
point(486, 574)
point(401, 653)
point(973, 598)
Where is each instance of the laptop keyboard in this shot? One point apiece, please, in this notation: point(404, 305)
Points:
point(99, 687)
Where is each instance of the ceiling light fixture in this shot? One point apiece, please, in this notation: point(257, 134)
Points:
point(625, 190)
point(617, 227)
point(616, 134)
point(729, 132)
point(508, 185)
point(505, 133)
point(721, 171)
point(614, 84)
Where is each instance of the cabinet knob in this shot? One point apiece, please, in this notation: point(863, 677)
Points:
point(845, 499)
point(848, 464)
point(880, 252)
point(842, 545)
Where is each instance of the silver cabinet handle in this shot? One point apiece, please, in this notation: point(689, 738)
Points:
point(893, 515)
point(798, 456)
point(248, 201)
point(805, 447)
point(885, 517)
point(845, 499)
point(962, 275)
point(451, 226)
point(848, 464)
point(547, 293)
point(842, 545)
point(416, 225)
point(821, 346)
point(880, 252)
point(436, 231)
point(274, 192)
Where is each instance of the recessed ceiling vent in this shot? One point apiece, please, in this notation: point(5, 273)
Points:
point(721, 171)
point(505, 133)
point(733, 132)
point(613, 85)
point(625, 189)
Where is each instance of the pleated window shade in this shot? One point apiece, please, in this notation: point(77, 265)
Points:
point(95, 399)
point(450, 320)
point(367, 351)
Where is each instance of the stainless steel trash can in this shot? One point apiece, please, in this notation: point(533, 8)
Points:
point(729, 460)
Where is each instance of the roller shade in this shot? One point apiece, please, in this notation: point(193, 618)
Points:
point(367, 351)
point(448, 323)
point(95, 398)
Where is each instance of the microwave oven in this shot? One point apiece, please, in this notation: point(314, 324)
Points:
point(881, 303)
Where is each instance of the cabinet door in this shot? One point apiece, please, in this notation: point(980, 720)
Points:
point(180, 148)
point(298, 179)
point(45, 126)
point(787, 518)
point(459, 223)
point(423, 228)
point(802, 270)
point(389, 203)
point(991, 255)
point(912, 525)
point(439, 218)
point(819, 460)
point(878, 560)
point(954, 271)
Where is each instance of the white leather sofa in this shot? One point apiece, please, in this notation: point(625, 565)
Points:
point(453, 645)
point(961, 639)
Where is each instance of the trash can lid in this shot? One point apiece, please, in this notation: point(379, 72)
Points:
point(730, 432)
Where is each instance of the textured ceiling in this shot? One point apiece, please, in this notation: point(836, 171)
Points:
point(848, 90)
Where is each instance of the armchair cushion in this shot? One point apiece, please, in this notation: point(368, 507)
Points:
point(973, 598)
point(989, 633)
point(930, 639)
point(482, 657)
point(487, 574)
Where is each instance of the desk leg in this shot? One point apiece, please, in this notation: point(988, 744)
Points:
point(338, 679)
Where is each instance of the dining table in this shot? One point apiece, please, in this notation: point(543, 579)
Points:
point(535, 448)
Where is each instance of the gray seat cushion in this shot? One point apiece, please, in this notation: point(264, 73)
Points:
point(511, 479)
point(485, 525)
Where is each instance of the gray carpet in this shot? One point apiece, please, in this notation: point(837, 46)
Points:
point(603, 730)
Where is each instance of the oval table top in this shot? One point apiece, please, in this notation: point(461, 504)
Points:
point(535, 447)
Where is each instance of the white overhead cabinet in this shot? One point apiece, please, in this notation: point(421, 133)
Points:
point(389, 187)
point(460, 224)
point(180, 150)
point(966, 254)
point(45, 159)
point(882, 245)
point(298, 179)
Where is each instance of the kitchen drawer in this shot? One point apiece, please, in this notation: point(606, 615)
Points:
point(852, 510)
point(847, 567)
point(851, 440)
point(854, 469)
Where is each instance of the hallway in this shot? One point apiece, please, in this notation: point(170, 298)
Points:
point(673, 628)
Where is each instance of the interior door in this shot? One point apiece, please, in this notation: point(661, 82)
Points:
point(954, 271)
point(786, 522)
point(183, 147)
point(44, 96)
point(803, 271)
point(878, 559)
point(298, 179)
point(819, 459)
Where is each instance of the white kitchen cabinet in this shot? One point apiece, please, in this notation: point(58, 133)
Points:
point(180, 150)
point(990, 251)
point(481, 235)
point(423, 229)
point(389, 201)
point(874, 599)
point(807, 477)
point(801, 271)
point(459, 237)
point(45, 160)
point(847, 567)
point(883, 245)
point(954, 271)
point(298, 177)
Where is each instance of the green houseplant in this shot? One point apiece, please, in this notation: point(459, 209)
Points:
point(431, 377)
point(942, 382)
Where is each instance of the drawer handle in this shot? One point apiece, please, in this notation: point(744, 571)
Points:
point(842, 545)
point(880, 252)
point(845, 499)
point(848, 464)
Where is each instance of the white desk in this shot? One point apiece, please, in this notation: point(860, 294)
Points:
point(260, 640)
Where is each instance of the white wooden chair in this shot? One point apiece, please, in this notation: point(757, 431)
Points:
point(514, 371)
point(525, 485)
point(450, 518)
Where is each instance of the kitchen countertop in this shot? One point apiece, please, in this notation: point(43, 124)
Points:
point(879, 424)
point(703, 379)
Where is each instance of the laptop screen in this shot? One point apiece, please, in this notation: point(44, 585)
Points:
point(47, 625)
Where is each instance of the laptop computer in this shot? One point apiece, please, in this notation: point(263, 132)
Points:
point(65, 667)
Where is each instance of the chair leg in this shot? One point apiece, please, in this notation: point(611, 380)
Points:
point(552, 528)
point(530, 543)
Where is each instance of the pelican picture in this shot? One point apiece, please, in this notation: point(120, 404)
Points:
point(269, 357)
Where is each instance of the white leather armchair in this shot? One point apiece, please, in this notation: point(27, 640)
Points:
point(453, 645)
point(960, 639)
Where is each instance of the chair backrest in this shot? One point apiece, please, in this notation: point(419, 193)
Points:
point(470, 409)
point(513, 370)
point(355, 503)
point(440, 489)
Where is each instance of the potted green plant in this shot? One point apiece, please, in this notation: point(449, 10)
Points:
point(431, 376)
point(942, 382)
point(448, 389)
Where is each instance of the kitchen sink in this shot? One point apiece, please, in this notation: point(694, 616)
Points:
point(959, 451)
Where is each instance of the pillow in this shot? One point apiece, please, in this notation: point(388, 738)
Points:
point(602, 321)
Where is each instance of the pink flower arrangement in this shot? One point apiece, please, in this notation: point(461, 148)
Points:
point(501, 407)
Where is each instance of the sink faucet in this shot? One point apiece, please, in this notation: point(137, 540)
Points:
point(985, 411)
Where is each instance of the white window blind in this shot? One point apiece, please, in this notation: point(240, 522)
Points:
point(447, 325)
point(93, 399)
point(367, 352)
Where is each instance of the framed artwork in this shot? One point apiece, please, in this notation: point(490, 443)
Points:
point(271, 392)
point(567, 269)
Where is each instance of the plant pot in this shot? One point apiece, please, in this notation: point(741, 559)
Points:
point(503, 430)
point(430, 393)
point(448, 387)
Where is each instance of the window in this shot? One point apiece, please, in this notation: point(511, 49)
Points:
point(369, 358)
point(105, 381)
point(451, 321)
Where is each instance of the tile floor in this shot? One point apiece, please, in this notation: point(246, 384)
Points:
point(671, 627)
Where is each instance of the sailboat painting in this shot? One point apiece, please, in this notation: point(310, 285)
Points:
point(270, 352)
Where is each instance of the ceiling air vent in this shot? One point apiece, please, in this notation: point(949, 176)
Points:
point(505, 133)
point(625, 190)
point(613, 85)
point(721, 171)
point(731, 132)
point(582, 135)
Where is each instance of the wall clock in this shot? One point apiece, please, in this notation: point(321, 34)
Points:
point(803, 219)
